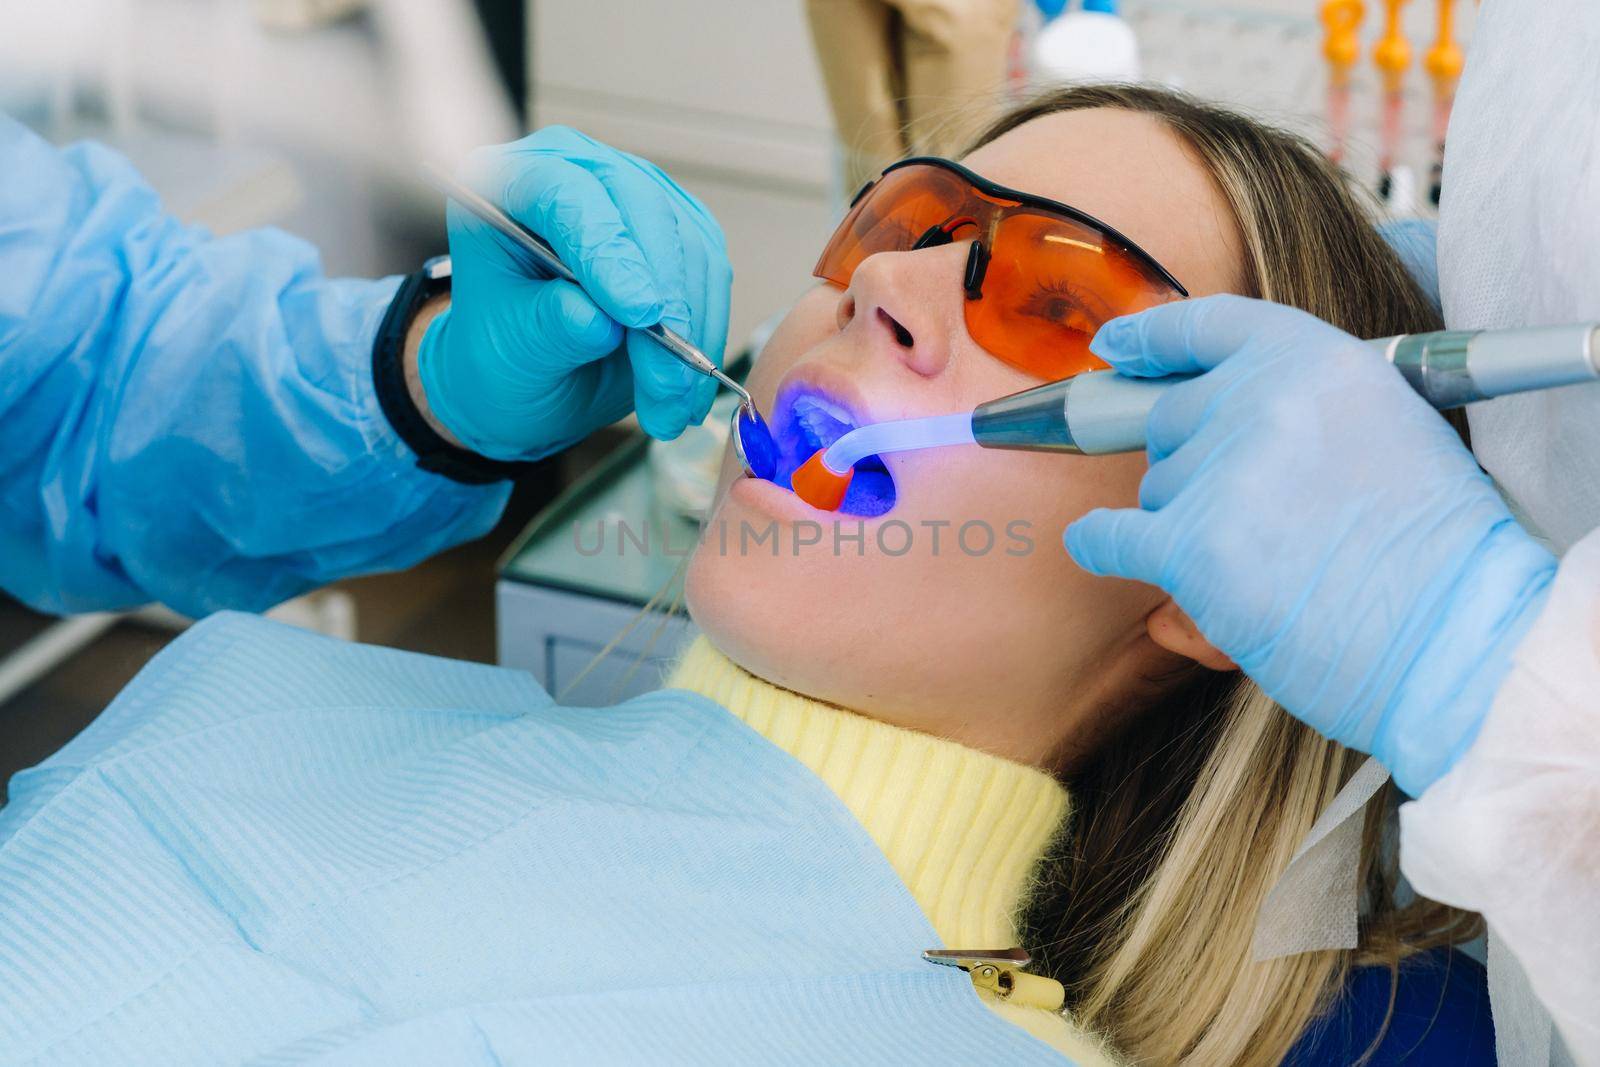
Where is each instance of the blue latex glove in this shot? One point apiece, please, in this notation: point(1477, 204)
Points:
point(1323, 526)
point(519, 368)
point(1416, 242)
point(189, 419)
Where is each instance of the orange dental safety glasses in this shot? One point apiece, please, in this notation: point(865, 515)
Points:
point(1041, 277)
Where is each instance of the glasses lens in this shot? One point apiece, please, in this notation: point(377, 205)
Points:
point(1051, 283)
point(893, 214)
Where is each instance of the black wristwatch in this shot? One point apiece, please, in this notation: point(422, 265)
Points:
point(434, 453)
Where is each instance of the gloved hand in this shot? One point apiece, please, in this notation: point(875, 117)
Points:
point(519, 368)
point(1323, 526)
point(1416, 242)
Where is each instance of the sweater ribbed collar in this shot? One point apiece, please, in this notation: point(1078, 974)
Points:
point(964, 830)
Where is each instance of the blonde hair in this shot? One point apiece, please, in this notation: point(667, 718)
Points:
point(1146, 907)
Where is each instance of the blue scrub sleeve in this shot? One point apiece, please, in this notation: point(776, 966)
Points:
point(1433, 1010)
point(189, 419)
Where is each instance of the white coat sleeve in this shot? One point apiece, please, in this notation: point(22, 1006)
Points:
point(1513, 830)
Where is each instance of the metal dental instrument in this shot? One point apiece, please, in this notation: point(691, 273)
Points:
point(751, 436)
point(1102, 412)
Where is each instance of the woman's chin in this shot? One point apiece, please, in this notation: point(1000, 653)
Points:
point(768, 613)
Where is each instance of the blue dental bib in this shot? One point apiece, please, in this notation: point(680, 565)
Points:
point(277, 848)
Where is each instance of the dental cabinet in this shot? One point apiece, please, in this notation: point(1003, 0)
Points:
point(602, 563)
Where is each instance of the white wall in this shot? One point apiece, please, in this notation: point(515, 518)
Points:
point(318, 129)
point(725, 95)
point(1265, 55)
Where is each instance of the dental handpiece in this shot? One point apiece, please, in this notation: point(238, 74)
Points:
point(750, 433)
point(1102, 412)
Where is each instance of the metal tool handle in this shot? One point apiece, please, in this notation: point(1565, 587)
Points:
point(1095, 413)
point(1102, 412)
point(536, 257)
point(1455, 367)
point(539, 259)
point(1092, 414)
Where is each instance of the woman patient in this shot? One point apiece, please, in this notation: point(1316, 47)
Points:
point(942, 733)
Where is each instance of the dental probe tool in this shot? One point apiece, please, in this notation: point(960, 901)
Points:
point(751, 436)
point(1102, 412)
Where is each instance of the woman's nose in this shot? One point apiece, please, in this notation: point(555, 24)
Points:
point(910, 302)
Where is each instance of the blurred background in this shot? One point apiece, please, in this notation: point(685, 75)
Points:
point(313, 115)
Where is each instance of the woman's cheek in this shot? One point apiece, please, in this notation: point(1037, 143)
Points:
point(1059, 489)
point(991, 487)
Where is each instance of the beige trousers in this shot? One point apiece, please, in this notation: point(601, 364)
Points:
point(909, 76)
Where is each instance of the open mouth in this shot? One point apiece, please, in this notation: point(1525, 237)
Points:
point(810, 421)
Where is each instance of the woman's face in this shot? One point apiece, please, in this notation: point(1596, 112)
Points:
point(956, 612)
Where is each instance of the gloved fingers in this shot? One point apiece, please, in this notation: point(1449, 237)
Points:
point(608, 388)
point(529, 378)
point(1192, 336)
point(709, 275)
point(708, 289)
point(690, 207)
point(704, 398)
point(1179, 413)
point(476, 246)
point(1118, 542)
point(575, 213)
point(1285, 370)
point(667, 393)
point(709, 331)
point(680, 236)
point(666, 403)
point(1216, 447)
point(1168, 477)
point(707, 278)
point(684, 247)
point(649, 211)
point(1416, 242)
point(1184, 337)
point(565, 329)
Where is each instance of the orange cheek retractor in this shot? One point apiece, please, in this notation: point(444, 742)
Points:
point(820, 487)
point(823, 480)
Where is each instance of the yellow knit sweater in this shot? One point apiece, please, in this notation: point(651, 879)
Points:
point(964, 830)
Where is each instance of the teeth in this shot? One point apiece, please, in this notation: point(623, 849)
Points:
point(817, 426)
point(812, 402)
point(822, 421)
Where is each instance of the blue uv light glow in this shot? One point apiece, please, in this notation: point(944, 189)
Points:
point(814, 422)
point(756, 444)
